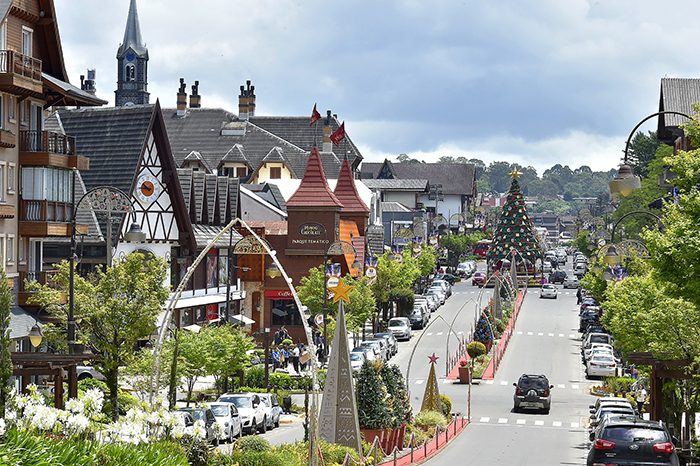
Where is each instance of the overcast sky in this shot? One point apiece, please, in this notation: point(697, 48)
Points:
point(535, 82)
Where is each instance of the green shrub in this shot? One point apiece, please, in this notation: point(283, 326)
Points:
point(125, 401)
point(446, 404)
point(87, 384)
point(256, 458)
point(252, 443)
point(282, 380)
point(287, 342)
point(152, 454)
point(198, 451)
point(431, 419)
point(255, 376)
point(476, 349)
point(419, 436)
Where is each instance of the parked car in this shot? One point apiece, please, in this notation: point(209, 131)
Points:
point(383, 344)
point(357, 358)
point(588, 352)
point(449, 278)
point(607, 399)
point(621, 404)
point(400, 327)
point(391, 341)
point(629, 440)
point(587, 302)
point(580, 270)
point(273, 410)
point(596, 337)
point(445, 285)
point(369, 352)
point(208, 420)
point(250, 409)
point(588, 318)
point(532, 391)
point(466, 269)
point(571, 281)
point(422, 300)
point(418, 318)
point(439, 294)
point(548, 291)
point(89, 372)
point(186, 416)
point(378, 350)
point(228, 418)
point(558, 276)
point(479, 279)
point(601, 365)
point(434, 300)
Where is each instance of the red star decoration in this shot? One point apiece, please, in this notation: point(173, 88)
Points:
point(433, 359)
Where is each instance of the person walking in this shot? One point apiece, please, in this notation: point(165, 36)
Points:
point(641, 397)
point(578, 296)
point(276, 358)
point(286, 354)
point(295, 358)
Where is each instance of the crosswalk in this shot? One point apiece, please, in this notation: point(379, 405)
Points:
point(536, 291)
point(528, 422)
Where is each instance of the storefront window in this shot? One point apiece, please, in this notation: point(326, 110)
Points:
point(200, 314)
point(284, 312)
point(185, 317)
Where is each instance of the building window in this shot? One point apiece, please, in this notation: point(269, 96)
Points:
point(11, 178)
point(27, 41)
point(284, 312)
point(2, 250)
point(3, 37)
point(130, 72)
point(2, 182)
point(10, 249)
point(11, 108)
point(2, 111)
point(21, 249)
point(241, 172)
point(275, 173)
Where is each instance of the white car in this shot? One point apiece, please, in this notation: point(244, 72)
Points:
point(601, 366)
point(571, 282)
point(434, 300)
point(250, 409)
point(596, 346)
point(368, 351)
point(548, 291)
point(273, 411)
point(400, 327)
point(228, 419)
point(437, 291)
point(357, 358)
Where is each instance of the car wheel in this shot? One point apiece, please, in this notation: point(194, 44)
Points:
point(516, 409)
point(545, 411)
point(263, 427)
point(215, 441)
point(253, 426)
point(277, 422)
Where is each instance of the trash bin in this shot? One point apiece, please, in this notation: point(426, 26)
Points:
point(287, 403)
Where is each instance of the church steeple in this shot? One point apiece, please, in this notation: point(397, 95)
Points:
point(132, 59)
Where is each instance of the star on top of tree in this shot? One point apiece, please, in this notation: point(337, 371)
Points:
point(340, 291)
point(433, 359)
point(515, 173)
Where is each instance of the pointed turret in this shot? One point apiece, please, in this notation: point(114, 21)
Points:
point(346, 191)
point(314, 190)
point(132, 34)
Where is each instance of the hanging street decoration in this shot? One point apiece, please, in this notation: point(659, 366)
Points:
point(340, 291)
point(431, 399)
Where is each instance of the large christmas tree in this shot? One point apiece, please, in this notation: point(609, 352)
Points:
point(515, 230)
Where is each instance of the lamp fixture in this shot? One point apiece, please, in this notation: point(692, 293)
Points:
point(625, 181)
point(273, 271)
point(36, 335)
point(607, 274)
point(135, 235)
point(611, 257)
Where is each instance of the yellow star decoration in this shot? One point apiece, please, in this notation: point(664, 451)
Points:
point(340, 291)
point(515, 173)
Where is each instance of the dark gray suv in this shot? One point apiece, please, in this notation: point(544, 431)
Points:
point(532, 391)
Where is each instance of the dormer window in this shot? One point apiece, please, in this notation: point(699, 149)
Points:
point(130, 72)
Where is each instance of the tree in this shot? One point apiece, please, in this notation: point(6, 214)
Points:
point(392, 275)
point(5, 340)
point(373, 409)
point(116, 308)
point(226, 348)
point(192, 360)
point(642, 151)
point(456, 246)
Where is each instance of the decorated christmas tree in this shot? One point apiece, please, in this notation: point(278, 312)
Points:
point(515, 230)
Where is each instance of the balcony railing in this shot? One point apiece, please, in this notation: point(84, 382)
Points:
point(46, 211)
point(17, 63)
point(44, 278)
point(46, 141)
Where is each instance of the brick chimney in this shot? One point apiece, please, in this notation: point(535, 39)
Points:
point(327, 131)
point(246, 102)
point(182, 99)
point(195, 98)
point(88, 85)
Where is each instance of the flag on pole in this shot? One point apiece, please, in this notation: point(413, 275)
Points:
point(338, 135)
point(315, 116)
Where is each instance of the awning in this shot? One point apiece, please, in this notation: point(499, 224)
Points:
point(242, 319)
point(214, 296)
point(194, 328)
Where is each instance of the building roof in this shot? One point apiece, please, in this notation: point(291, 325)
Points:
point(346, 192)
point(394, 207)
point(272, 227)
point(21, 323)
point(132, 34)
point(397, 185)
point(205, 234)
point(195, 156)
point(269, 192)
point(678, 95)
point(455, 178)
point(314, 190)
point(69, 95)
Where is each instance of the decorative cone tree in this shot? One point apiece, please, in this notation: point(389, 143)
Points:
point(515, 229)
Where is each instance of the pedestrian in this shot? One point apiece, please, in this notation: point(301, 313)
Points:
point(320, 355)
point(276, 358)
point(285, 334)
point(578, 296)
point(304, 358)
point(278, 337)
point(295, 358)
point(287, 355)
point(641, 397)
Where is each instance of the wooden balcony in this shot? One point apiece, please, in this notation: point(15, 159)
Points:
point(44, 278)
point(20, 74)
point(39, 219)
point(44, 148)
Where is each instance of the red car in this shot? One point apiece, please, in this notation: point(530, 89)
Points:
point(479, 279)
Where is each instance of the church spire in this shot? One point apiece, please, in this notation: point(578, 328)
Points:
point(132, 34)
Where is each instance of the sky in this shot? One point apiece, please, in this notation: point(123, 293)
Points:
point(533, 82)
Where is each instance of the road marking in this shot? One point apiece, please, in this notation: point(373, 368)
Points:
point(561, 385)
point(521, 421)
point(561, 335)
point(439, 333)
point(556, 424)
point(529, 333)
point(503, 382)
point(550, 334)
point(574, 386)
point(571, 335)
point(447, 381)
point(459, 333)
point(429, 333)
point(419, 382)
point(540, 334)
point(502, 420)
point(574, 425)
point(485, 419)
point(489, 382)
point(520, 333)
point(539, 423)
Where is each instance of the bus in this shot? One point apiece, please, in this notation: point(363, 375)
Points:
point(481, 248)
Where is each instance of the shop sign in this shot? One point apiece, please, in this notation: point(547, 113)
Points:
point(311, 229)
point(284, 294)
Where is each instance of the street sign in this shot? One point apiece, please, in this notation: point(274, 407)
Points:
point(319, 320)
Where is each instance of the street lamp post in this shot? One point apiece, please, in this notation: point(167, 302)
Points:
point(336, 248)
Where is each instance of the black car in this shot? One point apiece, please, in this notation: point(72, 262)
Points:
point(558, 276)
point(588, 318)
point(449, 278)
point(586, 303)
point(627, 440)
point(532, 391)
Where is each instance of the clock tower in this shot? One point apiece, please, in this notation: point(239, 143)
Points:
point(132, 64)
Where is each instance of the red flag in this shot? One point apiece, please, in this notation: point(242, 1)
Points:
point(315, 116)
point(338, 135)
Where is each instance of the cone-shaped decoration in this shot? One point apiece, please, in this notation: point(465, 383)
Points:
point(431, 399)
point(338, 421)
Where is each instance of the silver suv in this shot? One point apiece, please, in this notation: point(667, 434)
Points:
point(251, 410)
point(532, 391)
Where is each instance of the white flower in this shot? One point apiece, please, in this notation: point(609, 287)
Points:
point(2, 427)
point(75, 406)
point(198, 430)
point(77, 423)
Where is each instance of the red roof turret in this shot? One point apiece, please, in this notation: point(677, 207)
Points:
point(346, 191)
point(314, 190)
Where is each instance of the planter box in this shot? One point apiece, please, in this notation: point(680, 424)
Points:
point(371, 434)
point(7, 139)
point(464, 374)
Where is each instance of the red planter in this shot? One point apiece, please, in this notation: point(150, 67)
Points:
point(371, 434)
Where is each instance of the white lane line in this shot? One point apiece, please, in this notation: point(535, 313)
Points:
point(539, 423)
point(429, 333)
point(571, 335)
point(459, 333)
point(439, 333)
point(540, 334)
point(561, 385)
point(574, 425)
point(575, 386)
point(447, 381)
point(556, 424)
point(519, 333)
point(561, 335)
point(419, 382)
point(489, 382)
point(550, 334)
point(521, 421)
point(529, 333)
point(504, 382)
point(485, 419)
point(502, 420)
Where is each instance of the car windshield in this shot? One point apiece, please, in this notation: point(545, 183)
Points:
point(220, 410)
point(355, 356)
point(265, 400)
point(548, 287)
point(239, 401)
point(635, 434)
point(397, 323)
point(533, 382)
point(599, 338)
point(199, 415)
